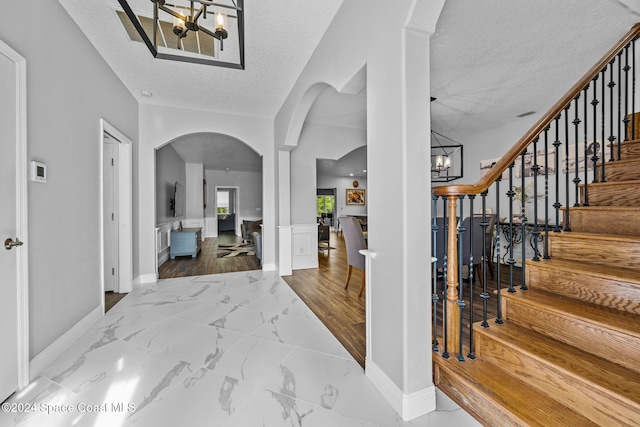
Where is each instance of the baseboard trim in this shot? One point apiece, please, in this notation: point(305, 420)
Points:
point(146, 278)
point(269, 267)
point(47, 356)
point(408, 406)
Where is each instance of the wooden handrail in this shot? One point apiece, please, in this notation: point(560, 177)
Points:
point(496, 171)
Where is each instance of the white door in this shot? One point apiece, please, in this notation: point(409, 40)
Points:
point(109, 216)
point(8, 229)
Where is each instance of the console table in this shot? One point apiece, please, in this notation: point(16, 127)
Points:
point(185, 242)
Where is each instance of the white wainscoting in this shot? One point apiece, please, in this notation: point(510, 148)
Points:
point(163, 240)
point(304, 246)
point(210, 227)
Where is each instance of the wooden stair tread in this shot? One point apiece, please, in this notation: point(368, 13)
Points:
point(603, 208)
point(595, 270)
point(610, 318)
point(621, 161)
point(612, 183)
point(524, 404)
point(602, 374)
point(595, 236)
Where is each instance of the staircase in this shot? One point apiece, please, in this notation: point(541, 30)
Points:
point(568, 353)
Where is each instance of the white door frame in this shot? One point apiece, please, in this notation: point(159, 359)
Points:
point(124, 212)
point(22, 269)
point(236, 206)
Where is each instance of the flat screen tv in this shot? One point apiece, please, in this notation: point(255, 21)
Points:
point(178, 201)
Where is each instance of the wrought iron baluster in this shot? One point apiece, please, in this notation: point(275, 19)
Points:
point(511, 194)
point(576, 180)
point(445, 322)
point(567, 225)
point(557, 205)
point(536, 172)
point(471, 354)
point(546, 193)
point(484, 295)
point(434, 274)
point(626, 95)
point(633, 89)
point(595, 102)
point(603, 124)
point(460, 303)
point(585, 194)
point(523, 221)
point(612, 137)
point(499, 320)
point(619, 106)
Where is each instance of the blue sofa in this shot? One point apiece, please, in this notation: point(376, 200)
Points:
point(226, 222)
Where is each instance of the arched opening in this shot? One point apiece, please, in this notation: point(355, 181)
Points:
point(209, 184)
point(329, 157)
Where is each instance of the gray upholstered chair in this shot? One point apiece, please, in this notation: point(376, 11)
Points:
point(257, 245)
point(354, 241)
point(324, 238)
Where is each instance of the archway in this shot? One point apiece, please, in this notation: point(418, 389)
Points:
point(203, 163)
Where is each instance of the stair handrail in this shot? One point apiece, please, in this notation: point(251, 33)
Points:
point(505, 161)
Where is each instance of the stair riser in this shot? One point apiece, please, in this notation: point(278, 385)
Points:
point(606, 292)
point(604, 252)
point(624, 171)
point(480, 406)
point(594, 338)
point(615, 195)
point(567, 388)
point(605, 222)
point(628, 151)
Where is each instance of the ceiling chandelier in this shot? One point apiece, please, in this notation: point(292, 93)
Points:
point(199, 31)
point(446, 158)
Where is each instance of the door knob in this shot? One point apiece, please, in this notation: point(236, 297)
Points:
point(8, 244)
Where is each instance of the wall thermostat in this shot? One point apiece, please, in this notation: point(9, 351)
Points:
point(38, 172)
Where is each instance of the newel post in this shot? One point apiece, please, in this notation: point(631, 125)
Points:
point(453, 311)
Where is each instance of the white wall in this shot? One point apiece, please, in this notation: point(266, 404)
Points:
point(397, 60)
point(317, 142)
point(169, 168)
point(250, 189)
point(341, 183)
point(159, 125)
point(69, 88)
point(194, 196)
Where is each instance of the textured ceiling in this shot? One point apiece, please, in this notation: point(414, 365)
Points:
point(217, 151)
point(280, 36)
point(492, 60)
point(351, 164)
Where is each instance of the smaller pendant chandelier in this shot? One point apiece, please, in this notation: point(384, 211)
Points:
point(446, 158)
point(190, 30)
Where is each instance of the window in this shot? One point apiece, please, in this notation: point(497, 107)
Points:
point(223, 201)
point(325, 204)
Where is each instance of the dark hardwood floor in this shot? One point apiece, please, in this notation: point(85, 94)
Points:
point(111, 299)
point(206, 261)
point(322, 289)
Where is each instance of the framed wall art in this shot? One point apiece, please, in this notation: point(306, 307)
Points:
point(355, 197)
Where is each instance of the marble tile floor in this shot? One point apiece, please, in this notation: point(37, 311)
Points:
point(227, 350)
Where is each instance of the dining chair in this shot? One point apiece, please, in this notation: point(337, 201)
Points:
point(324, 238)
point(354, 241)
